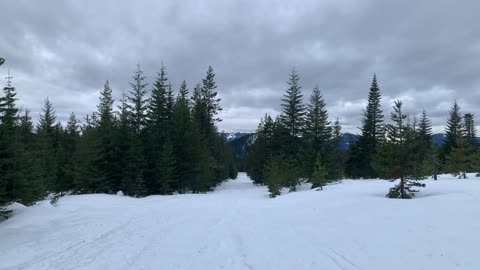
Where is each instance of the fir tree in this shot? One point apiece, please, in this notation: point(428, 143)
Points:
point(27, 185)
point(138, 102)
point(453, 132)
point(159, 117)
point(109, 172)
point(8, 145)
point(48, 147)
point(338, 168)
point(459, 161)
point(275, 176)
point(183, 142)
point(372, 136)
point(393, 160)
point(469, 127)
point(319, 175)
point(293, 110)
point(317, 133)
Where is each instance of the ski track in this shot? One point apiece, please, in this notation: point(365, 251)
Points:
point(348, 226)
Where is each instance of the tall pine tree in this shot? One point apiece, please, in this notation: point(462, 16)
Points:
point(372, 135)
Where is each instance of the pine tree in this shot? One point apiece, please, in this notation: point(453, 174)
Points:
point(159, 120)
point(425, 152)
point(8, 145)
point(261, 150)
point(393, 160)
point(48, 147)
point(109, 172)
point(338, 154)
point(317, 133)
point(372, 136)
point(123, 140)
point(209, 94)
point(85, 171)
point(319, 175)
point(69, 146)
point(458, 162)
point(469, 126)
point(183, 142)
point(275, 176)
point(138, 102)
point(27, 185)
point(453, 132)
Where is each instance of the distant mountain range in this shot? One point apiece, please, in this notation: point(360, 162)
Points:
point(242, 142)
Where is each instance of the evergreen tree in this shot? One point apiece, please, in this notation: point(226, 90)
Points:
point(212, 102)
point(69, 146)
point(393, 160)
point(275, 176)
point(372, 136)
point(319, 175)
point(109, 172)
point(8, 145)
point(159, 120)
point(425, 152)
point(47, 147)
point(262, 149)
point(453, 132)
point(459, 161)
point(469, 126)
point(338, 154)
point(293, 110)
point(138, 102)
point(27, 185)
point(317, 133)
point(131, 157)
point(85, 169)
point(184, 142)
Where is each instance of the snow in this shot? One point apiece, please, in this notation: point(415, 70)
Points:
point(350, 225)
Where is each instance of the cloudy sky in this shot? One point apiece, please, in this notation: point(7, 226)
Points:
point(426, 53)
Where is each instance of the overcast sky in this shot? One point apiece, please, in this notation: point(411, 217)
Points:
point(426, 53)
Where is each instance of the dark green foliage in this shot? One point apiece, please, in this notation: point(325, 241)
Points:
point(108, 169)
point(166, 169)
point(362, 152)
point(27, 188)
point(85, 173)
point(338, 155)
point(453, 132)
point(394, 158)
point(47, 146)
point(469, 129)
point(8, 146)
point(319, 176)
point(317, 134)
point(137, 101)
point(275, 176)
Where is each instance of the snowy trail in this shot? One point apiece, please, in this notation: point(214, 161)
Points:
point(347, 226)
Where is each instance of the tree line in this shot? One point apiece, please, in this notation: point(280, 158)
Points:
point(301, 144)
point(156, 143)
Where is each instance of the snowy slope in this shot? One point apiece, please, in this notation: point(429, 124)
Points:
point(347, 226)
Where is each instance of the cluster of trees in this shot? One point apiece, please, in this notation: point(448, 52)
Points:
point(152, 144)
point(302, 144)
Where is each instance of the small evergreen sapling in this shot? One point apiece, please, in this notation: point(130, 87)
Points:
point(319, 176)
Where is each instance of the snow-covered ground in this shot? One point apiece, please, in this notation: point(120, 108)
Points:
point(347, 226)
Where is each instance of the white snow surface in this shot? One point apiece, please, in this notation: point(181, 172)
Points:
point(350, 225)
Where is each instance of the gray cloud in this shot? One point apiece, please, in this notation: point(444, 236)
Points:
point(425, 53)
